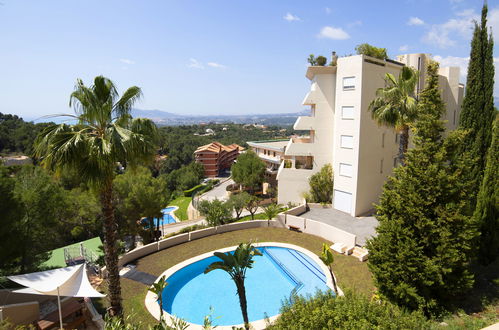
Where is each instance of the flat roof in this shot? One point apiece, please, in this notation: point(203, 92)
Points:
point(278, 145)
point(57, 257)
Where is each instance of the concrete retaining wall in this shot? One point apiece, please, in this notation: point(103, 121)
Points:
point(283, 220)
point(21, 314)
point(297, 210)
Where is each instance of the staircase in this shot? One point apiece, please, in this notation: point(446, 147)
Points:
point(360, 253)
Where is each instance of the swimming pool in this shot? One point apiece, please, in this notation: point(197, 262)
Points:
point(274, 276)
point(166, 219)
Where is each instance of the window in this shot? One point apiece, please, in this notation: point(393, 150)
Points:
point(383, 140)
point(346, 170)
point(348, 83)
point(347, 112)
point(454, 121)
point(396, 137)
point(274, 153)
point(381, 166)
point(346, 141)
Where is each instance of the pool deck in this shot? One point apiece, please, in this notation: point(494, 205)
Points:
point(362, 227)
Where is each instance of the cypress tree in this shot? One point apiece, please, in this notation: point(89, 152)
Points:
point(487, 209)
point(421, 255)
point(477, 115)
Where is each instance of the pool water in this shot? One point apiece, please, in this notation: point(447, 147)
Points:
point(166, 219)
point(190, 293)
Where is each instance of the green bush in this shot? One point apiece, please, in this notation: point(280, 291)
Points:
point(369, 50)
point(189, 192)
point(321, 60)
point(352, 311)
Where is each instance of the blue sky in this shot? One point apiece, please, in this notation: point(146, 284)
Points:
point(210, 57)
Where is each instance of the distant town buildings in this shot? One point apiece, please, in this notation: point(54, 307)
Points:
point(217, 158)
point(343, 133)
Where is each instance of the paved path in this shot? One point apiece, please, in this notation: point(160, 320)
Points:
point(141, 277)
point(219, 192)
point(363, 227)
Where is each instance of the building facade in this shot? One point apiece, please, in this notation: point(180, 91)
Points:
point(216, 158)
point(343, 133)
point(272, 154)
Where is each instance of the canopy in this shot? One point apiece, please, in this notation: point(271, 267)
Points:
point(69, 281)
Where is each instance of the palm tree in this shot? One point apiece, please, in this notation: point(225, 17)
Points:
point(236, 265)
point(271, 211)
point(395, 105)
point(328, 259)
point(104, 136)
point(158, 288)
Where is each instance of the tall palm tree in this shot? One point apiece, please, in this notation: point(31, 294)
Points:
point(104, 136)
point(395, 105)
point(236, 265)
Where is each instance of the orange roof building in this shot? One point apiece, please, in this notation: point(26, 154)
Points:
point(215, 157)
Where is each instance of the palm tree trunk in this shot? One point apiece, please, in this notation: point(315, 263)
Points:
point(404, 142)
point(241, 292)
point(335, 288)
point(111, 252)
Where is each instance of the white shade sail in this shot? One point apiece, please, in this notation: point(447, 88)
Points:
point(69, 281)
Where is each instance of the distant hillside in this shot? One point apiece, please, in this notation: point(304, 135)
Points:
point(171, 119)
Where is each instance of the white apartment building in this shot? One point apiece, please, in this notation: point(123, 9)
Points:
point(343, 133)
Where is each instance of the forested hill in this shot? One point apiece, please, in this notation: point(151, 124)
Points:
point(17, 135)
point(179, 142)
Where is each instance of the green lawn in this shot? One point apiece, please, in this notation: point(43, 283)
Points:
point(350, 272)
point(258, 216)
point(183, 204)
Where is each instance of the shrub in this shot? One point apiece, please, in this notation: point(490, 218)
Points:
point(321, 185)
point(190, 192)
point(352, 311)
point(321, 60)
point(369, 50)
point(217, 212)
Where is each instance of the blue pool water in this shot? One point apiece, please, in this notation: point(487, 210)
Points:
point(190, 293)
point(166, 219)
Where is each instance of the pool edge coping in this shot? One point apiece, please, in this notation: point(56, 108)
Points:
point(152, 305)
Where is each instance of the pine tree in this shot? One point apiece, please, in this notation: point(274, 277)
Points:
point(487, 209)
point(421, 255)
point(477, 115)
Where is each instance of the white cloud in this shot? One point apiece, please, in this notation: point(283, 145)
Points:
point(443, 35)
point(355, 23)
point(493, 21)
point(290, 17)
point(328, 10)
point(333, 33)
point(404, 48)
point(415, 21)
point(126, 61)
point(217, 65)
point(195, 64)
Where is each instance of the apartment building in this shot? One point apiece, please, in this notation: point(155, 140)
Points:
point(343, 133)
point(272, 153)
point(216, 158)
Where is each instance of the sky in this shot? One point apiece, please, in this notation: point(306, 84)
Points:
point(211, 57)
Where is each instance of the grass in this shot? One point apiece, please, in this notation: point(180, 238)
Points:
point(183, 204)
point(350, 272)
point(258, 216)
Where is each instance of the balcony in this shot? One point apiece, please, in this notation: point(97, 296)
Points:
point(295, 170)
point(314, 96)
point(301, 146)
point(304, 123)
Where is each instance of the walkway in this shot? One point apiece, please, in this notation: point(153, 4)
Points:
point(141, 277)
point(363, 227)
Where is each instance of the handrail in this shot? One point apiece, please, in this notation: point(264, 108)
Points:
point(298, 283)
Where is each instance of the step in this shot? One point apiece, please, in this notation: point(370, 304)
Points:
point(360, 253)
